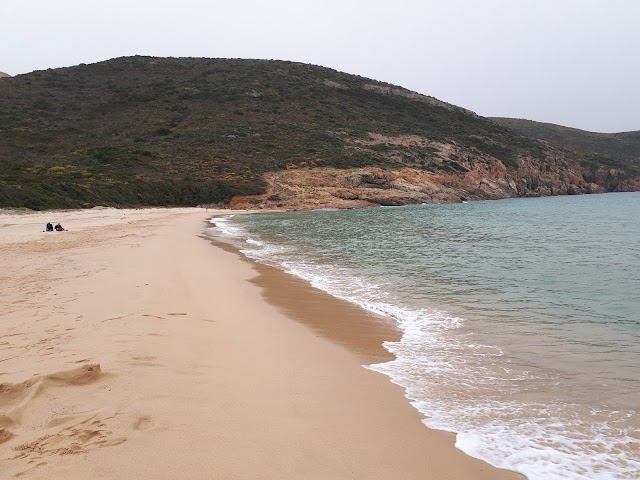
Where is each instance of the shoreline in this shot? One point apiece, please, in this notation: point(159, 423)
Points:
point(155, 354)
point(363, 333)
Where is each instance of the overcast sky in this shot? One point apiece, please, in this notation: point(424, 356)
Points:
point(570, 62)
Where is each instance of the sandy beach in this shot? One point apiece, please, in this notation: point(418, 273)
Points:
point(131, 346)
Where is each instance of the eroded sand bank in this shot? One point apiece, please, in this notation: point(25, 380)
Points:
point(131, 347)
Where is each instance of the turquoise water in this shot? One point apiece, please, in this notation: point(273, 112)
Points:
point(520, 318)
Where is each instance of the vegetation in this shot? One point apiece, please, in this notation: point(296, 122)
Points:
point(612, 150)
point(160, 131)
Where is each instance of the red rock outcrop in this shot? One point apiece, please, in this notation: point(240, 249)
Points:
point(446, 174)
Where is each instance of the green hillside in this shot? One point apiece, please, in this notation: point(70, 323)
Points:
point(155, 131)
point(617, 150)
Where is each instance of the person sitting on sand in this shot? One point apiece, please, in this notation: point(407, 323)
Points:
point(49, 227)
point(59, 228)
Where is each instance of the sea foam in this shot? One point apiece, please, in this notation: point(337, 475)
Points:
point(453, 381)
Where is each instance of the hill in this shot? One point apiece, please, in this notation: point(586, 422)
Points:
point(618, 150)
point(162, 131)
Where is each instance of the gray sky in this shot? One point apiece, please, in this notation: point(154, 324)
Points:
point(570, 62)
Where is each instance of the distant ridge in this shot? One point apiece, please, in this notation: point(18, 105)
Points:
point(138, 131)
point(2, 74)
point(621, 150)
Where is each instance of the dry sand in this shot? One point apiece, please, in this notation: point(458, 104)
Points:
point(131, 347)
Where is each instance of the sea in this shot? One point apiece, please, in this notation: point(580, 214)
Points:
point(520, 318)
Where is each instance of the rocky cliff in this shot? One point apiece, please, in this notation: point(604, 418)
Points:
point(452, 174)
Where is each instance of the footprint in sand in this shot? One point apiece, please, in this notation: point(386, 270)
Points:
point(6, 421)
point(78, 376)
point(145, 361)
point(142, 423)
point(19, 395)
point(11, 393)
point(67, 442)
point(26, 472)
point(79, 438)
point(5, 435)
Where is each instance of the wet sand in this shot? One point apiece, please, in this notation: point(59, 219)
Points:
point(131, 347)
